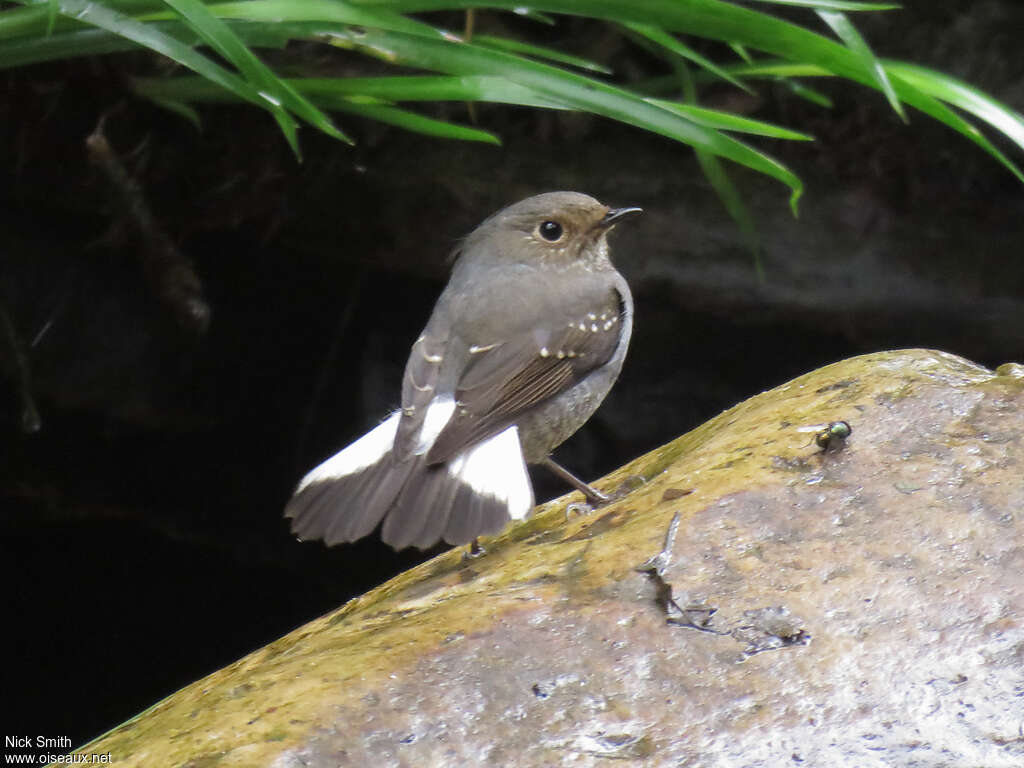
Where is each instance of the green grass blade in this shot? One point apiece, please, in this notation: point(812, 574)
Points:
point(64, 45)
point(742, 52)
point(289, 129)
point(485, 88)
point(711, 19)
point(276, 11)
point(807, 93)
point(539, 52)
point(573, 91)
point(357, 96)
point(962, 95)
point(734, 24)
point(330, 93)
point(782, 72)
point(52, 12)
point(929, 90)
point(270, 87)
point(151, 37)
point(24, 30)
point(91, 41)
point(664, 40)
point(411, 121)
point(926, 89)
point(713, 168)
point(387, 89)
point(927, 81)
point(836, 5)
point(777, 68)
point(843, 27)
point(727, 121)
point(181, 109)
point(719, 179)
point(34, 19)
point(944, 114)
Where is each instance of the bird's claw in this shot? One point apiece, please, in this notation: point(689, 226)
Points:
point(578, 508)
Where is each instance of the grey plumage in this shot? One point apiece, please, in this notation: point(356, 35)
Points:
point(521, 348)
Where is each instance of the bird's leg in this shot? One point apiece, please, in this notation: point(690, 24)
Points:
point(475, 550)
point(594, 497)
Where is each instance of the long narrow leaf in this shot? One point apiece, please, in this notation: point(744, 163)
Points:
point(485, 88)
point(412, 121)
point(276, 11)
point(714, 169)
point(539, 52)
point(65, 45)
point(342, 95)
point(90, 41)
point(663, 39)
point(777, 68)
point(842, 26)
point(962, 95)
point(328, 91)
point(150, 37)
point(572, 90)
point(742, 52)
point(719, 179)
point(807, 93)
point(733, 24)
point(220, 37)
point(389, 89)
point(924, 81)
point(706, 18)
point(34, 19)
point(835, 5)
point(182, 109)
point(434, 88)
point(726, 121)
point(781, 72)
point(53, 11)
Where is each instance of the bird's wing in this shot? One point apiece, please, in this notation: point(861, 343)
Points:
point(419, 388)
point(508, 376)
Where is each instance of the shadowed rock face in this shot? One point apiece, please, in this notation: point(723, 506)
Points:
point(859, 606)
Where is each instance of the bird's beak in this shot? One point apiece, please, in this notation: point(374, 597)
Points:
point(614, 214)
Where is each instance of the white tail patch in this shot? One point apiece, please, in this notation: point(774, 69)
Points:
point(439, 413)
point(364, 452)
point(496, 468)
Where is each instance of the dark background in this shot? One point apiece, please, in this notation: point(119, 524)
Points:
point(143, 544)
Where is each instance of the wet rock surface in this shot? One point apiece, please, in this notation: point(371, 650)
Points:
point(860, 606)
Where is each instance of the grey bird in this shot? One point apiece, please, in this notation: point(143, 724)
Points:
point(522, 346)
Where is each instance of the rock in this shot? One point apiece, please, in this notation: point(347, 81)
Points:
point(861, 605)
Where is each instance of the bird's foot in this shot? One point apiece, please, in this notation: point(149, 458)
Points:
point(578, 508)
point(475, 550)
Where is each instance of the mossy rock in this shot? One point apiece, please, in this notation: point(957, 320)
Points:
point(856, 606)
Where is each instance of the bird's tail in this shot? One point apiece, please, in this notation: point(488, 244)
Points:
point(473, 494)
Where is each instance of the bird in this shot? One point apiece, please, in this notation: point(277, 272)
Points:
point(523, 344)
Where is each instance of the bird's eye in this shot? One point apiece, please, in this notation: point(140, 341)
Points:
point(550, 231)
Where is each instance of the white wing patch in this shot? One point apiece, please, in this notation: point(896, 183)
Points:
point(364, 452)
point(439, 413)
point(496, 468)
